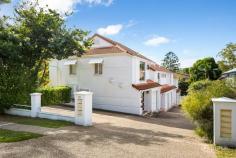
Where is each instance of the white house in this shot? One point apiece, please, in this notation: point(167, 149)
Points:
point(120, 78)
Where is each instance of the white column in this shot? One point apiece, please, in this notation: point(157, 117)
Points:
point(35, 104)
point(224, 104)
point(83, 108)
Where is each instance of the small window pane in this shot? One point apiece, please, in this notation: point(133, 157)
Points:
point(142, 70)
point(72, 69)
point(98, 69)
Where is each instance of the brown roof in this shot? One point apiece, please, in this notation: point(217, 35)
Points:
point(118, 46)
point(166, 88)
point(147, 85)
point(156, 67)
point(104, 50)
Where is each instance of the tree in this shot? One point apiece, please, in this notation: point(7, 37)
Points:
point(228, 56)
point(183, 86)
point(186, 70)
point(5, 1)
point(171, 62)
point(205, 68)
point(35, 36)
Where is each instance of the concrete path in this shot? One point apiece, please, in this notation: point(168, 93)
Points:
point(169, 135)
point(27, 128)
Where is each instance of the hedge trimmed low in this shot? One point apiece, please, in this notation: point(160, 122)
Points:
point(55, 95)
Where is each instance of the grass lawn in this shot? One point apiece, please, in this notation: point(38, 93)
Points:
point(222, 152)
point(15, 136)
point(34, 121)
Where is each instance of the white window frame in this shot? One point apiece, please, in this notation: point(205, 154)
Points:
point(98, 68)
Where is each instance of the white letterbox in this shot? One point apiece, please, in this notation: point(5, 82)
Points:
point(83, 108)
point(224, 121)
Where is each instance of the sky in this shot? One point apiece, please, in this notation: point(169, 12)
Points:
point(192, 29)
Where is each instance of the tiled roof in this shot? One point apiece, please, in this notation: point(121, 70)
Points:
point(118, 46)
point(166, 88)
point(147, 85)
point(156, 67)
point(104, 50)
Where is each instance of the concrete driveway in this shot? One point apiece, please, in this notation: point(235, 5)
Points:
point(117, 135)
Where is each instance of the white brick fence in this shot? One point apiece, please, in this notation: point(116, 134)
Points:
point(82, 114)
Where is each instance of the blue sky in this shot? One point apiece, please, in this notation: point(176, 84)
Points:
point(192, 29)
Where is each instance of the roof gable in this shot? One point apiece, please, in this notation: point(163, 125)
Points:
point(99, 42)
point(119, 46)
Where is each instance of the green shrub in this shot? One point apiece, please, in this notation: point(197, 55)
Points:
point(198, 105)
point(183, 86)
point(195, 86)
point(15, 86)
point(55, 95)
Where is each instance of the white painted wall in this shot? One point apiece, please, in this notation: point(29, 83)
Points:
point(169, 99)
point(99, 43)
point(112, 90)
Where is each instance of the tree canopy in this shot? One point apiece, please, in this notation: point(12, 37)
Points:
point(34, 36)
point(205, 68)
point(5, 1)
point(228, 56)
point(171, 62)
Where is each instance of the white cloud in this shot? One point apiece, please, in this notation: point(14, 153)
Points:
point(156, 41)
point(131, 23)
point(64, 6)
point(98, 2)
point(110, 29)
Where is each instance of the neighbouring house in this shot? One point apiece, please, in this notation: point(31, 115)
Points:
point(230, 77)
point(120, 78)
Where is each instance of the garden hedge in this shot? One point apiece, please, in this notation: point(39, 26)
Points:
point(55, 95)
point(199, 107)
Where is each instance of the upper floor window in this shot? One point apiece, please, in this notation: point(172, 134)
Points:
point(142, 71)
point(163, 75)
point(72, 69)
point(98, 68)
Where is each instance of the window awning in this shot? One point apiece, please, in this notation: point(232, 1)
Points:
point(70, 62)
point(95, 61)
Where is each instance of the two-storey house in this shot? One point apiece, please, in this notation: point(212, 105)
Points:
point(120, 78)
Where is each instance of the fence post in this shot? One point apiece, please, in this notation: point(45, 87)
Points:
point(35, 104)
point(224, 111)
point(83, 108)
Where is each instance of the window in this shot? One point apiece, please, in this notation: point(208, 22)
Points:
point(142, 71)
point(163, 75)
point(98, 69)
point(72, 69)
point(158, 76)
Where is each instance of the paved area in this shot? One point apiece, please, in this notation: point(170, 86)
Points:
point(169, 135)
point(28, 128)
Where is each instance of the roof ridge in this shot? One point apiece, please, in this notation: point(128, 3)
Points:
point(128, 50)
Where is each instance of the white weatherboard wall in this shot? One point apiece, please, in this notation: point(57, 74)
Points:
point(224, 104)
point(112, 90)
